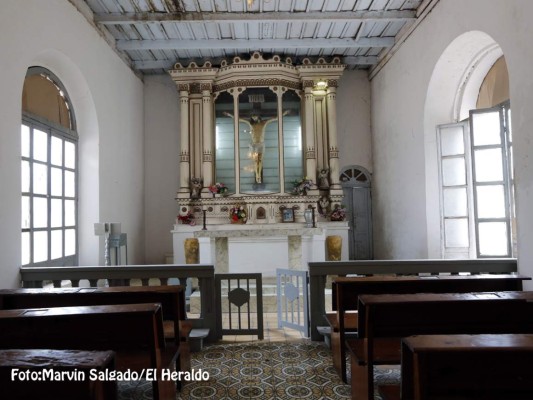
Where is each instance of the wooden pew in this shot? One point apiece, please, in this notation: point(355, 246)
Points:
point(133, 331)
point(66, 383)
point(172, 299)
point(473, 367)
point(385, 319)
point(347, 290)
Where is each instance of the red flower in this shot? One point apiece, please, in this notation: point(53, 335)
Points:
point(235, 217)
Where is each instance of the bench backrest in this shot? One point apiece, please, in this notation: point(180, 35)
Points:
point(401, 315)
point(171, 298)
point(122, 328)
point(345, 291)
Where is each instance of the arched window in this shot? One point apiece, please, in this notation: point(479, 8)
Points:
point(49, 173)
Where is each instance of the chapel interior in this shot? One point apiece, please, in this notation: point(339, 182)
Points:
point(239, 148)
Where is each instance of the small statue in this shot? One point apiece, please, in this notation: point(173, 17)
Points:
point(323, 205)
point(196, 187)
point(323, 178)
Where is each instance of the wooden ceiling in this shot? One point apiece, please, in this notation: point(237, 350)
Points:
point(152, 35)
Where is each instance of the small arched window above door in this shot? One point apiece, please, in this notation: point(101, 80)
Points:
point(354, 175)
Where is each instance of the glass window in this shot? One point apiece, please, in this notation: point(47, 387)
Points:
point(48, 182)
point(248, 155)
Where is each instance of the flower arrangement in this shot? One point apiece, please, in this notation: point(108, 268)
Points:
point(187, 219)
point(339, 213)
point(302, 186)
point(218, 188)
point(237, 215)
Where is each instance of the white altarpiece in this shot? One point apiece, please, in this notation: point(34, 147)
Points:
point(238, 96)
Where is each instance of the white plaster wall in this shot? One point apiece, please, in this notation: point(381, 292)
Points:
point(353, 120)
point(403, 200)
point(108, 102)
point(161, 149)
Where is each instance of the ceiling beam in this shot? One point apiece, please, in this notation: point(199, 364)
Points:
point(240, 17)
point(256, 44)
point(167, 64)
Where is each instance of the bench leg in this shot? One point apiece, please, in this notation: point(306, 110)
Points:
point(362, 382)
point(336, 353)
point(164, 390)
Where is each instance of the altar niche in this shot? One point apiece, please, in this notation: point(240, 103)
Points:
point(249, 157)
point(255, 126)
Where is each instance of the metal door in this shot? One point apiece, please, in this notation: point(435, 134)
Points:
point(293, 300)
point(357, 198)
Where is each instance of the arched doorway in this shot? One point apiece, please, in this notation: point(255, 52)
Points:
point(356, 184)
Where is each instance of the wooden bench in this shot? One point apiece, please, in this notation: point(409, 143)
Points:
point(66, 374)
point(172, 299)
point(385, 319)
point(133, 331)
point(458, 367)
point(347, 290)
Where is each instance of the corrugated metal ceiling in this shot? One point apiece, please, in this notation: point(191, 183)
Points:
point(154, 34)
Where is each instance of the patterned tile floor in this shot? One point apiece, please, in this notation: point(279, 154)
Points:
point(284, 365)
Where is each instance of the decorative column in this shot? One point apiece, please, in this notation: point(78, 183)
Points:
point(333, 149)
point(207, 134)
point(310, 155)
point(184, 142)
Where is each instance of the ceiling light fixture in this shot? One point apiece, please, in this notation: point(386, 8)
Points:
point(250, 3)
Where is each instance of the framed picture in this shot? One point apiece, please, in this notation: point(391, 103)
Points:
point(287, 215)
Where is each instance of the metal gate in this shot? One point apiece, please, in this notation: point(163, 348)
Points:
point(240, 304)
point(293, 309)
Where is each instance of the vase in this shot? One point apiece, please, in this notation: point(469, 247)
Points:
point(308, 215)
point(334, 248)
point(192, 253)
point(238, 222)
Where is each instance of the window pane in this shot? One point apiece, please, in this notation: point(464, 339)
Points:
point(56, 214)
point(493, 238)
point(25, 176)
point(456, 232)
point(453, 172)
point(40, 179)
point(25, 220)
point(40, 145)
point(57, 244)
point(488, 165)
point(70, 213)
point(56, 156)
point(455, 202)
point(70, 184)
point(25, 248)
point(70, 242)
point(490, 201)
point(292, 139)
point(452, 141)
point(70, 155)
point(56, 184)
point(40, 246)
point(486, 128)
point(25, 140)
point(40, 212)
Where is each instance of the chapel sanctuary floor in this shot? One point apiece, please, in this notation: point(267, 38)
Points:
point(284, 365)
